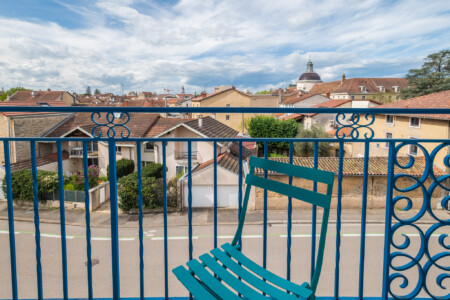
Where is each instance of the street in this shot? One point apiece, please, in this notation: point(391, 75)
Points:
point(178, 254)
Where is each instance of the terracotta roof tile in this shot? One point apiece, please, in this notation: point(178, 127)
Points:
point(40, 161)
point(226, 160)
point(436, 100)
point(354, 166)
point(41, 96)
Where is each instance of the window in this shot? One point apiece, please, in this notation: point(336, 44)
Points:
point(227, 117)
point(398, 97)
point(353, 97)
point(413, 149)
point(414, 122)
point(388, 136)
point(390, 120)
point(149, 147)
point(180, 170)
point(118, 149)
point(228, 105)
point(364, 97)
point(144, 163)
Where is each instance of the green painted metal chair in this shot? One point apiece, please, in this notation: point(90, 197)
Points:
point(243, 277)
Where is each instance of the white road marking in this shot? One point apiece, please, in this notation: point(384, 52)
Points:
point(7, 232)
point(160, 238)
point(225, 236)
point(100, 238)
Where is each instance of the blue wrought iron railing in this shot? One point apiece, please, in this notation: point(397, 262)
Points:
point(403, 276)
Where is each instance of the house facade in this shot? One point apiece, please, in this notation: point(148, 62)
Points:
point(412, 127)
point(231, 97)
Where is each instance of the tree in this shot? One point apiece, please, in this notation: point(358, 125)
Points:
point(123, 167)
point(48, 89)
point(307, 148)
point(88, 91)
point(432, 77)
point(270, 127)
point(97, 92)
point(11, 91)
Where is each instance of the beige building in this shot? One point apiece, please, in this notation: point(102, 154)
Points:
point(412, 127)
point(383, 90)
point(233, 98)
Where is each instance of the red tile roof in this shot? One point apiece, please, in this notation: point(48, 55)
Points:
point(226, 160)
point(329, 104)
point(354, 166)
point(352, 85)
point(436, 100)
point(40, 161)
point(40, 96)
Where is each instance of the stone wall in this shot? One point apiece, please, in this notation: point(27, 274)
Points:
point(32, 126)
point(351, 193)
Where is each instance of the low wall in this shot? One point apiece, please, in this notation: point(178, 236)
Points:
point(97, 196)
point(351, 193)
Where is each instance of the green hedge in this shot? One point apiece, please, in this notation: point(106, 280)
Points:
point(22, 184)
point(152, 170)
point(152, 192)
point(123, 167)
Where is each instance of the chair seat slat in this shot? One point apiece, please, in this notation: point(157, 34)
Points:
point(212, 282)
point(232, 281)
point(250, 278)
point(269, 276)
point(190, 283)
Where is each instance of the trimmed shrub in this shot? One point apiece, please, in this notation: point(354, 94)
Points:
point(22, 184)
point(123, 167)
point(152, 192)
point(152, 170)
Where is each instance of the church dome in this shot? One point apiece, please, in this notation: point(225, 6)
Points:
point(309, 73)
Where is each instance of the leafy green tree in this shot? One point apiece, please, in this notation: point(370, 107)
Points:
point(270, 127)
point(265, 92)
point(97, 92)
point(11, 92)
point(152, 170)
point(432, 77)
point(307, 148)
point(88, 90)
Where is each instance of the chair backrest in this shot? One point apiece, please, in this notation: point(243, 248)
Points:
point(309, 196)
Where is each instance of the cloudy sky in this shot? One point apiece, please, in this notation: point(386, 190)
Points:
point(152, 45)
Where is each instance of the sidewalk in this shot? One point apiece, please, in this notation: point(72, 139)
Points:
point(206, 217)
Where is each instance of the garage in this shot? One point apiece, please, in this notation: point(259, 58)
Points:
point(203, 196)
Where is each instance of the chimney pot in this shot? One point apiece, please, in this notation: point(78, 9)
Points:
point(203, 94)
point(200, 121)
point(342, 78)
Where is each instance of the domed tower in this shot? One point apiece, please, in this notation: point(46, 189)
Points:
point(308, 79)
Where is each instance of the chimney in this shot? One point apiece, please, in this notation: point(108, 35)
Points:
point(200, 121)
point(33, 94)
point(342, 78)
point(203, 94)
point(126, 103)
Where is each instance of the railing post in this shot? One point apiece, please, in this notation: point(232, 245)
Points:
point(88, 222)
point(314, 215)
point(141, 230)
point(387, 231)
point(215, 193)
point(166, 255)
point(12, 238)
point(114, 218)
point(62, 219)
point(338, 221)
point(37, 233)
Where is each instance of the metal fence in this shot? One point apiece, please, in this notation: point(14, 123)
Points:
point(429, 265)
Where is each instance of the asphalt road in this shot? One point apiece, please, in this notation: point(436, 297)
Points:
point(178, 254)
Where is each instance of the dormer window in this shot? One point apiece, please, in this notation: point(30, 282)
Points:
point(381, 88)
point(363, 88)
point(396, 88)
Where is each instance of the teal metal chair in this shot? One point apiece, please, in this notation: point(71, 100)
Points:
point(243, 277)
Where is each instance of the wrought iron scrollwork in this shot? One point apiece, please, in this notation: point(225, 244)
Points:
point(110, 124)
point(405, 257)
point(354, 124)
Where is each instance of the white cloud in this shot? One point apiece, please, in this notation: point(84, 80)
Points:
point(197, 43)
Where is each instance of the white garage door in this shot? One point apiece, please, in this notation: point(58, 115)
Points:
point(203, 196)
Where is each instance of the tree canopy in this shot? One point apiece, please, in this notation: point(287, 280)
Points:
point(265, 92)
point(11, 91)
point(307, 148)
point(432, 77)
point(270, 127)
point(96, 92)
point(88, 91)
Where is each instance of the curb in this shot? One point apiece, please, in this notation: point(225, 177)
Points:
point(269, 223)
